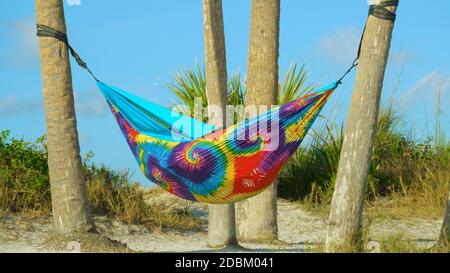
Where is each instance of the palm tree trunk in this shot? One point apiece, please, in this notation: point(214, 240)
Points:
point(445, 230)
point(344, 223)
point(221, 220)
point(257, 216)
point(71, 211)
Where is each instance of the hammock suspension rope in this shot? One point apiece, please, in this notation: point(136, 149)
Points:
point(45, 31)
point(381, 12)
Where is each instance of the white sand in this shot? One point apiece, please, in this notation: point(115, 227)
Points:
point(298, 231)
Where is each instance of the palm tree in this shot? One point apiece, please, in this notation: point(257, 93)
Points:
point(344, 223)
point(221, 220)
point(71, 211)
point(257, 216)
point(189, 83)
point(445, 230)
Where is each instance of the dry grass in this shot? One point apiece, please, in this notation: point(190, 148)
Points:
point(396, 243)
point(25, 188)
point(399, 243)
point(426, 199)
point(407, 178)
point(110, 193)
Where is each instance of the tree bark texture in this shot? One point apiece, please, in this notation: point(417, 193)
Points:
point(257, 216)
point(221, 219)
point(71, 210)
point(344, 223)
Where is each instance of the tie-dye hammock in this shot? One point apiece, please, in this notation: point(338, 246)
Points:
point(196, 162)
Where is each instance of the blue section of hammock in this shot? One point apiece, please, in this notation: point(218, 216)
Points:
point(152, 119)
point(157, 121)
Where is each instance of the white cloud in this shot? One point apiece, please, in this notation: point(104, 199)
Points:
point(23, 48)
point(15, 106)
point(401, 58)
point(341, 46)
point(27, 33)
point(427, 87)
point(84, 139)
point(90, 104)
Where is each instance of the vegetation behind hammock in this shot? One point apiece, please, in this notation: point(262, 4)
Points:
point(189, 84)
point(25, 187)
point(411, 174)
point(416, 172)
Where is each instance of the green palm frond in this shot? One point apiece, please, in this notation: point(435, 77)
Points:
point(187, 85)
point(294, 85)
point(236, 91)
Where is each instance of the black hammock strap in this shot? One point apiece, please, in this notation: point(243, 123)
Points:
point(380, 11)
point(45, 31)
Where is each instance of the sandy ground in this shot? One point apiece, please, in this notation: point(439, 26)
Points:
point(299, 231)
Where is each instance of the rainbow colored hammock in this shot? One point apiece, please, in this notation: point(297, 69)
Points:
point(196, 162)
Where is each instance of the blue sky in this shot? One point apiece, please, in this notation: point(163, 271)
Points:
point(137, 44)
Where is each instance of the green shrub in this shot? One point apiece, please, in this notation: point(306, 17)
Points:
point(24, 181)
point(25, 187)
point(399, 164)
